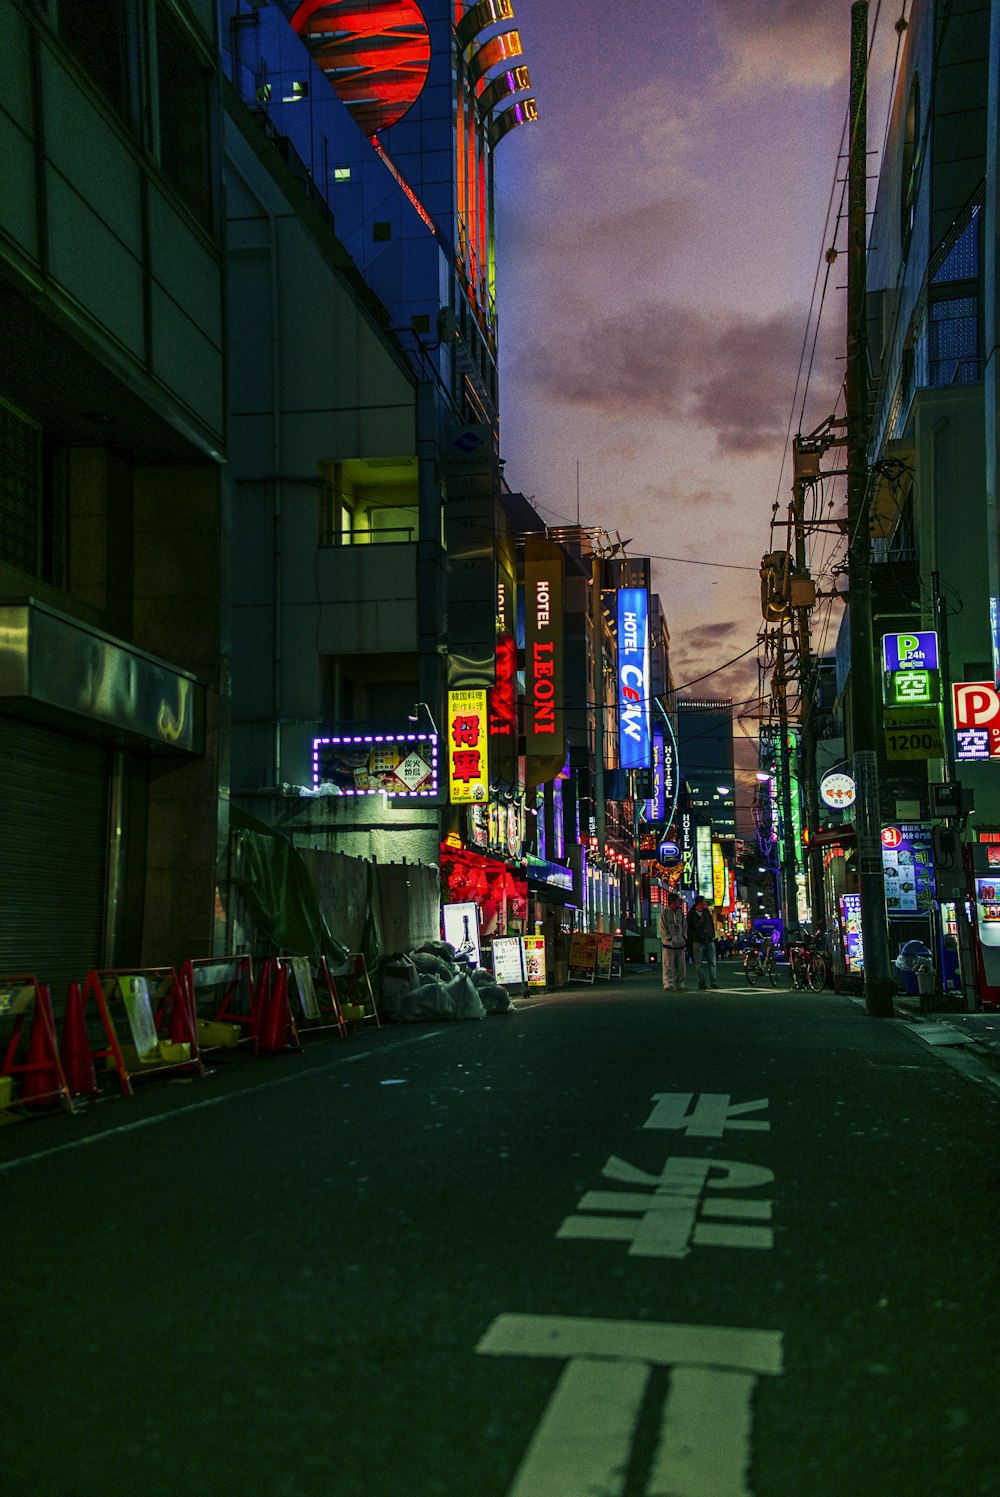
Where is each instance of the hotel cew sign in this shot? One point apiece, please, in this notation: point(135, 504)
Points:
point(976, 711)
point(634, 741)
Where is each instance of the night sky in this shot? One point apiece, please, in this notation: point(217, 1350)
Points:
point(661, 230)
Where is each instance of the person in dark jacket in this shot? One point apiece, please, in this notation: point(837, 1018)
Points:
point(701, 939)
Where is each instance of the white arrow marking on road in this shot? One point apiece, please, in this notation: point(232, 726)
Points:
point(713, 1113)
point(583, 1442)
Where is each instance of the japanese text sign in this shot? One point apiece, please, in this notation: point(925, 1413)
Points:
point(976, 706)
point(467, 738)
point(633, 678)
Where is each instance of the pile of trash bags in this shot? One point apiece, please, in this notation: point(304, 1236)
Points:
point(432, 982)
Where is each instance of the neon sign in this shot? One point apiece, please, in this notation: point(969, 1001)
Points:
point(634, 744)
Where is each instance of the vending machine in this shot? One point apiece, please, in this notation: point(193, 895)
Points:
point(986, 882)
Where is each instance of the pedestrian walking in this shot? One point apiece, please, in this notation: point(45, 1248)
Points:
point(673, 940)
point(701, 939)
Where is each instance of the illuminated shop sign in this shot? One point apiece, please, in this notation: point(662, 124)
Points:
point(403, 765)
point(633, 678)
point(976, 707)
point(910, 652)
point(703, 856)
point(467, 737)
point(543, 646)
point(912, 688)
point(656, 808)
point(720, 881)
point(460, 923)
point(837, 790)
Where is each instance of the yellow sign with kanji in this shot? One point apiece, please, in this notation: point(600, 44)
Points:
point(914, 734)
point(467, 738)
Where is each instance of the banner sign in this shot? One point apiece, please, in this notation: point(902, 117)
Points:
point(534, 958)
point(656, 807)
point(543, 646)
point(908, 868)
point(468, 761)
point(403, 765)
point(719, 880)
point(703, 861)
point(634, 743)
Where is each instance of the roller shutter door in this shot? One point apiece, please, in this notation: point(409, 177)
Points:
point(53, 869)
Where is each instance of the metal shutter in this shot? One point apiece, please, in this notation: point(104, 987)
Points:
point(53, 864)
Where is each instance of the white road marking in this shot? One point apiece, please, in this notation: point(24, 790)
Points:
point(713, 1113)
point(704, 1448)
point(662, 1345)
point(178, 1112)
point(662, 1222)
point(583, 1442)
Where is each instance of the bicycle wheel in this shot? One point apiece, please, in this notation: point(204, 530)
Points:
point(816, 973)
point(751, 968)
point(772, 969)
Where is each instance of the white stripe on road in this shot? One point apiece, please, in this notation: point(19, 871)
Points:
point(584, 1440)
point(563, 1336)
point(704, 1448)
point(177, 1112)
point(583, 1443)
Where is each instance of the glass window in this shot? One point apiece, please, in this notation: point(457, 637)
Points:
point(185, 137)
point(20, 491)
point(96, 32)
point(953, 341)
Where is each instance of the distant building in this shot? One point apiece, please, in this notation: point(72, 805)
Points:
point(705, 750)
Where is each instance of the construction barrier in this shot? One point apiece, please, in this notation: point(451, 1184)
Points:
point(353, 989)
point(160, 1018)
point(222, 994)
point(31, 1051)
point(276, 1029)
point(316, 993)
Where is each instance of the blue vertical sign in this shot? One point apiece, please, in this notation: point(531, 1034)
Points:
point(656, 809)
point(634, 744)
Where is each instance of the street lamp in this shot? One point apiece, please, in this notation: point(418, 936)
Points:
point(414, 716)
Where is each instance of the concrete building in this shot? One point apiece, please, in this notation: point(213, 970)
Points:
point(114, 507)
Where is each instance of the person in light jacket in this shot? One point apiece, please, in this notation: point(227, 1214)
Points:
point(701, 937)
point(673, 940)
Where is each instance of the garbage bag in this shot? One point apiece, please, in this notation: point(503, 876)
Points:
point(913, 955)
point(495, 999)
point(462, 991)
point(431, 1000)
point(432, 966)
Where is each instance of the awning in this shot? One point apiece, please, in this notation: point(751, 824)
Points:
point(54, 667)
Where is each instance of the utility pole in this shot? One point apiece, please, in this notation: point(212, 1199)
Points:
point(789, 888)
point(807, 712)
point(879, 986)
point(597, 626)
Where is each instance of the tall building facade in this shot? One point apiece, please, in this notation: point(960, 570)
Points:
point(114, 500)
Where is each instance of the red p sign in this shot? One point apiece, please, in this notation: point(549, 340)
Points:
point(976, 704)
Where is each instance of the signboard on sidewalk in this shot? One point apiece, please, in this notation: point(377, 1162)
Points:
point(534, 957)
point(582, 956)
point(508, 961)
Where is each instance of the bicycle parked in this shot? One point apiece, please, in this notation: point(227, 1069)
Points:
point(807, 960)
point(761, 960)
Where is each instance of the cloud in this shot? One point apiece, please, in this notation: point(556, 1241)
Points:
point(794, 43)
point(729, 373)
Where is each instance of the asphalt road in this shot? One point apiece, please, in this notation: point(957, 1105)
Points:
point(616, 1244)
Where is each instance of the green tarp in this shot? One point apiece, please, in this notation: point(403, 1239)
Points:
point(278, 891)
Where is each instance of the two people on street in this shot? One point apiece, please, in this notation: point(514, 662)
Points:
point(682, 934)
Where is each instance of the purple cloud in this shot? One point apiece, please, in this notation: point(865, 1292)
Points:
point(730, 373)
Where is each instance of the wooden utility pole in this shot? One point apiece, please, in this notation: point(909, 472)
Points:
point(879, 985)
